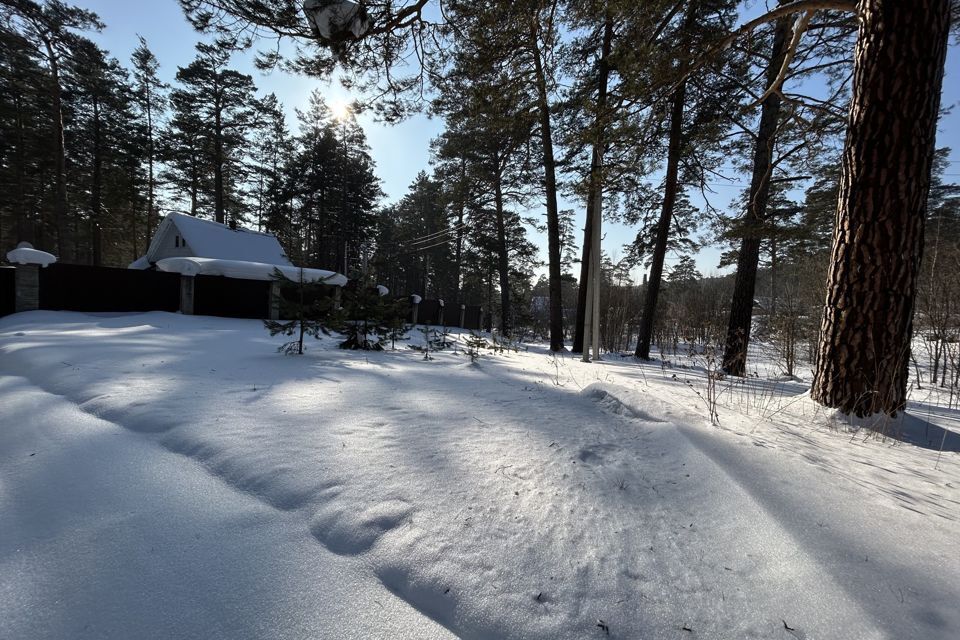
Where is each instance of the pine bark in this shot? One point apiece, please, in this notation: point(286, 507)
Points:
point(867, 325)
point(741, 307)
point(218, 199)
point(60, 150)
point(671, 185)
point(553, 212)
point(503, 263)
point(96, 186)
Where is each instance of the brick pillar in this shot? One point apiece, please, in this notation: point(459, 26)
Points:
point(27, 283)
point(187, 284)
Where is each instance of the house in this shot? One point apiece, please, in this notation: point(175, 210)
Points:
point(192, 246)
point(183, 236)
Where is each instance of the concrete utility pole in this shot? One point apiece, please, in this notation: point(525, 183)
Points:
point(591, 323)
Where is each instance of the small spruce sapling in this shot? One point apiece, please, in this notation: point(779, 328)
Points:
point(306, 308)
point(474, 343)
point(370, 317)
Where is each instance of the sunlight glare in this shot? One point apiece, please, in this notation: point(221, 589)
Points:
point(340, 109)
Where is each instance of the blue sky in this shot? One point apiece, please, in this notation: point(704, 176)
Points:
point(402, 150)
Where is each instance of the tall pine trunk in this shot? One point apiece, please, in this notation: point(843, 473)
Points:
point(151, 183)
point(864, 349)
point(96, 207)
point(60, 151)
point(218, 199)
point(503, 264)
point(741, 308)
point(671, 185)
point(603, 76)
point(553, 212)
point(24, 230)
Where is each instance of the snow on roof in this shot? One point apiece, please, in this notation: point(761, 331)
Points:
point(247, 270)
point(208, 239)
point(29, 255)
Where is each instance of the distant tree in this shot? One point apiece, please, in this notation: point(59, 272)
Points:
point(50, 29)
point(151, 100)
point(336, 189)
point(215, 109)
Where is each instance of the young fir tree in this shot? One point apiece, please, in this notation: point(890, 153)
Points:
point(307, 308)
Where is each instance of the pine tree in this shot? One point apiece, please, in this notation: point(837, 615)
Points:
point(151, 101)
point(214, 111)
point(50, 30)
point(867, 326)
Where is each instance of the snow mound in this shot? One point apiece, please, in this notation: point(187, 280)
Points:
point(346, 531)
point(29, 255)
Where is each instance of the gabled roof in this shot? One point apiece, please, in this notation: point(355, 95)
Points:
point(208, 239)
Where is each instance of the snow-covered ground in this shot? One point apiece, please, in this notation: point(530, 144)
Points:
point(164, 476)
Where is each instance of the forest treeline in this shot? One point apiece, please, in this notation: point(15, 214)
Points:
point(639, 113)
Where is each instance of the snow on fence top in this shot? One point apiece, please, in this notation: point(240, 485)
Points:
point(29, 255)
point(193, 266)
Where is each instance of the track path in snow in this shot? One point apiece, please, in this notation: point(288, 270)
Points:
point(103, 534)
point(490, 498)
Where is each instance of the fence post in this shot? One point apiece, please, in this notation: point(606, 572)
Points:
point(415, 302)
point(187, 284)
point(274, 300)
point(27, 287)
point(463, 315)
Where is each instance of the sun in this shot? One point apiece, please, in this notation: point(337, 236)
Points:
point(340, 109)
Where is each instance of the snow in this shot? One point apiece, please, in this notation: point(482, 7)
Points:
point(140, 263)
point(382, 290)
point(187, 481)
point(247, 270)
point(27, 255)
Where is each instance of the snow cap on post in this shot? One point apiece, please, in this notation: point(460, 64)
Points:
point(26, 254)
point(415, 299)
point(382, 290)
point(336, 20)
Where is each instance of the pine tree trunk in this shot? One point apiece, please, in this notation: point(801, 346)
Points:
point(603, 76)
point(671, 185)
point(461, 206)
point(151, 185)
point(96, 187)
point(218, 199)
point(553, 212)
point(24, 231)
point(502, 257)
point(741, 308)
point(60, 149)
point(867, 326)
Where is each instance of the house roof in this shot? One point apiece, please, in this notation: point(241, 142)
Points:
point(208, 239)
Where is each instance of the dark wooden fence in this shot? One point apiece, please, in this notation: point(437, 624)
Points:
point(231, 297)
point(75, 287)
point(430, 312)
point(8, 290)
